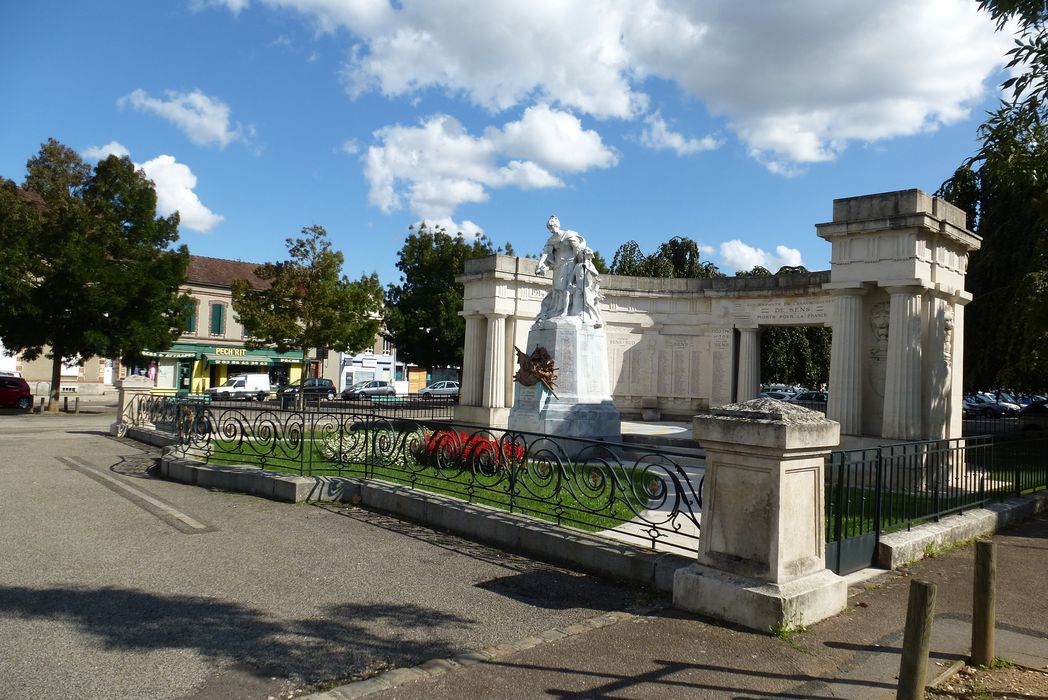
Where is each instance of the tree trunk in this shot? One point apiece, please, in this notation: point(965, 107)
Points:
point(56, 381)
point(305, 375)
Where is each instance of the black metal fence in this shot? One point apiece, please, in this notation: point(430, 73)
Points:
point(647, 496)
point(878, 490)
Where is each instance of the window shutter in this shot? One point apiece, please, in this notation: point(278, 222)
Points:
point(218, 324)
point(191, 319)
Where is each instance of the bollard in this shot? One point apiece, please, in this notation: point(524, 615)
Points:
point(43, 401)
point(76, 405)
point(65, 404)
point(984, 603)
point(913, 667)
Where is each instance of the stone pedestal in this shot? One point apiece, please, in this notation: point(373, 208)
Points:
point(762, 551)
point(582, 406)
point(128, 388)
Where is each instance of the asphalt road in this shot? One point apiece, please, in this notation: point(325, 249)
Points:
point(116, 584)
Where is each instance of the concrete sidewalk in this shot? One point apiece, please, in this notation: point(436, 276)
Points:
point(666, 654)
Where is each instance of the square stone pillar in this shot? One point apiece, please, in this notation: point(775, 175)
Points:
point(129, 388)
point(762, 547)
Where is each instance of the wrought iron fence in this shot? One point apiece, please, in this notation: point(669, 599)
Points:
point(581, 483)
point(877, 490)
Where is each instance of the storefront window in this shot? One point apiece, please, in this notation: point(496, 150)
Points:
point(165, 376)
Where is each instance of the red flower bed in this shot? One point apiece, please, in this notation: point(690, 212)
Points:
point(460, 448)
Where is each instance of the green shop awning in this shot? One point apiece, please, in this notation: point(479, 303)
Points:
point(169, 354)
point(214, 359)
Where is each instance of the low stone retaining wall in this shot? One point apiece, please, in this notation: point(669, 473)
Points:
point(569, 548)
point(901, 548)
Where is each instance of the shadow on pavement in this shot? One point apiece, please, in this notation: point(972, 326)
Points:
point(663, 677)
point(340, 642)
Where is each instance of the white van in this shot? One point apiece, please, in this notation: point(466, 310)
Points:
point(242, 386)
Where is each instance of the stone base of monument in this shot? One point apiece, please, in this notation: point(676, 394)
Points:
point(756, 604)
point(580, 404)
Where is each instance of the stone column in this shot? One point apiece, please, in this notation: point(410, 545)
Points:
point(749, 384)
point(494, 387)
point(845, 404)
point(902, 386)
point(473, 361)
point(762, 554)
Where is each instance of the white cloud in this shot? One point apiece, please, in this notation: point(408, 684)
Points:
point(438, 165)
point(795, 82)
point(113, 148)
point(350, 147)
point(204, 120)
point(174, 183)
point(657, 135)
point(740, 256)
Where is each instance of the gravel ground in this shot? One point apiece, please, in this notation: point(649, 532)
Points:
point(984, 683)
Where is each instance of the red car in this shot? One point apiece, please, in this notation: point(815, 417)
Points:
point(14, 391)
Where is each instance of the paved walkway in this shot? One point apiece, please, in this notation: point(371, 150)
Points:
point(666, 654)
point(116, 584)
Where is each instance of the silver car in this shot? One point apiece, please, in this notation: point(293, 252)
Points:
point(445, 388)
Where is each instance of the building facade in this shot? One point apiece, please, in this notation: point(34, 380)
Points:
point(212, 346)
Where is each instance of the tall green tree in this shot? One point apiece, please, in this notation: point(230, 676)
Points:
point(422, 311)
point(1003, 190)
point(308, 302)
point(92, 269)
point(677, 257)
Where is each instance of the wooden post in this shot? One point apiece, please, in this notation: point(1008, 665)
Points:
point(913, 667)
point(984, 603)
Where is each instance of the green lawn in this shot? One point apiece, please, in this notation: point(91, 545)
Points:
point(593, 496)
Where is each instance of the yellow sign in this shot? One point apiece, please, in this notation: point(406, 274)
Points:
point(230, 351)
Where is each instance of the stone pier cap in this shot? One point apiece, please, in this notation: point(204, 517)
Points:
point(766, 423)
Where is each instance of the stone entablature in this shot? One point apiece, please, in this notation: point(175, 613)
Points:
point(894, 298)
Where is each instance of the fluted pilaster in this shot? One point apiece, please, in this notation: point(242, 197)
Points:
point(494, 390)
point(845, 404)
point(902, 386)
point(749, 384)
point(473, 361)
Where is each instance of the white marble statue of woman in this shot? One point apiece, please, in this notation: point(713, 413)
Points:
point(561, 253)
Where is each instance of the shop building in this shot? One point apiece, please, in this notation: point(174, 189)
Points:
point(212, 346)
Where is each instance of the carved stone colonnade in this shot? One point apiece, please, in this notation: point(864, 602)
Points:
point(894, 297)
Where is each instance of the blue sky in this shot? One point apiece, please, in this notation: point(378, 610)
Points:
point(733, 122)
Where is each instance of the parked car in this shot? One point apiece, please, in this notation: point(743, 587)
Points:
point(367, 389)
point(241, 386)
point(780, 395)
point(445, 388)
point(984, 405)
point(312, 388)
point(9, 373)
point(815, 400)
point(15, 392)
point(1034, 416)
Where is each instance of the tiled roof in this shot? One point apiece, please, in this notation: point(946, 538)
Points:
point(219, 272)
point(25, 195)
